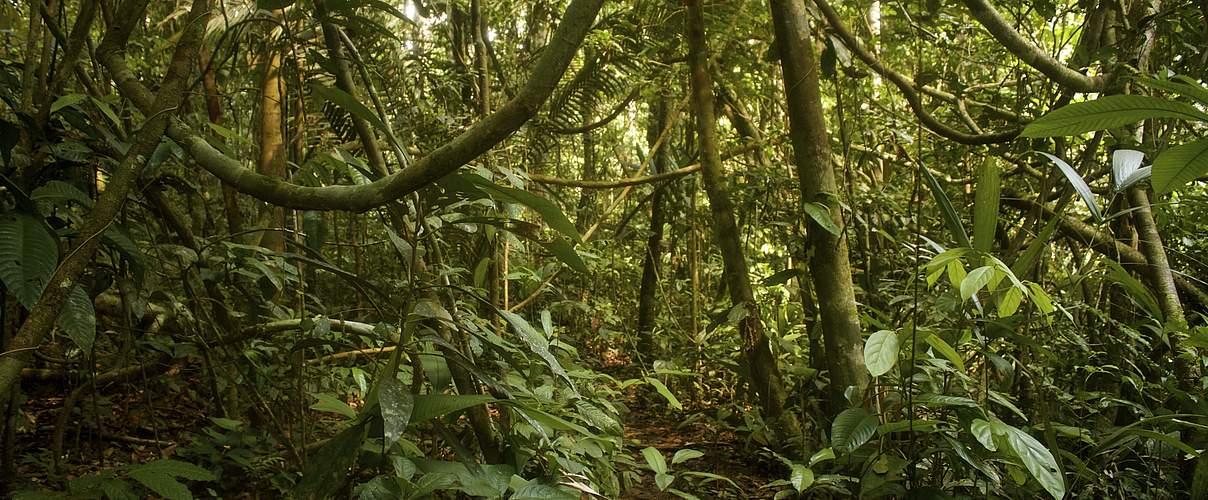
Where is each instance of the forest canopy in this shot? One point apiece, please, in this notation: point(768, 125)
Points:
point(603, 249)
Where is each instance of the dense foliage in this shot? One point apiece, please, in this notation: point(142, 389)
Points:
point(417, 248)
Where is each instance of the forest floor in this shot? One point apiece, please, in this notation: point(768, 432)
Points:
point(727, 454)
point(134, 435)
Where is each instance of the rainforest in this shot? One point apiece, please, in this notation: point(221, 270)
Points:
point(597, 249)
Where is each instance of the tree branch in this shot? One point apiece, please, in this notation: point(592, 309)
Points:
point(1030, 54)
point(907, 86)
point(446, 159)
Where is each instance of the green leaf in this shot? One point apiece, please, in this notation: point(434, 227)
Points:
point(945, 400)
point(431, 309)
point(916, 425)
point(330, 403)
point(67, 100)
point(1009, 302)
point(685, 455)
point(1031, 255)
point(975, 281)
point(984, 433)
point(227, 423)
point(1185, 87)
point(944, 349)
point(821, 214)
point(852, 428)
point(162, 484)
point(327, 468)
point(824, 454)
point(985, 204)
point(548, 210)
point(1179, 165)
point(352, 105)
point(1037, 459)
point(537, 343)
point(1041, 298)
point(28, 257)
point(801, 477)
point(1135, 289)
point(565, 253)
point(429, 406)
point(78, 319)
point(1084, 191)
point(597, 417)
point(59, 191)
point(951, 218)
point(537, 490)
point(781, 277)
point(176, 468)
point(654, 459)
point(972, 458)
point(663, 480)
point(881, 352)
point(397, 405)
point(665, 392)
point(1108, 112)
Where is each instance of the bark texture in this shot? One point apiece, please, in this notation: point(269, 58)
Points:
point(764, 372)
point(829, 266)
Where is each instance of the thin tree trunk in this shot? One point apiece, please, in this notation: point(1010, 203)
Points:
point(764, 370)
point(830, 270)
point(647, 295)
point(271, 160)
point(344, 81)
point(230, 197)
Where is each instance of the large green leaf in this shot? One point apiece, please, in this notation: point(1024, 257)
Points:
point(1179, 165)
point(548, 210)
point(429, 406)
point(176, 468)
point(78, 319)
point(59, 191)
point(1108, 112)
point(984, 432)
point(331, 403)
point(821, 214)
point(975, 281)
point(397, 406)
point(985, 204)
point(881, 352)
point(852, 428)
point(598, 418)
point(944, 349)
point(654, 459)
point(162, 484)
point(28, 256)
point(1180, 85)
point(801, 477)
point(1080, 186)
point(1035, 457)
point(951, 218)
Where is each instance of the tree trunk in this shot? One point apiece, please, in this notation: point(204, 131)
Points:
point(230, 197)
point(271, 160)
point(764, 371)
point(830, 270)
point(648, 294)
